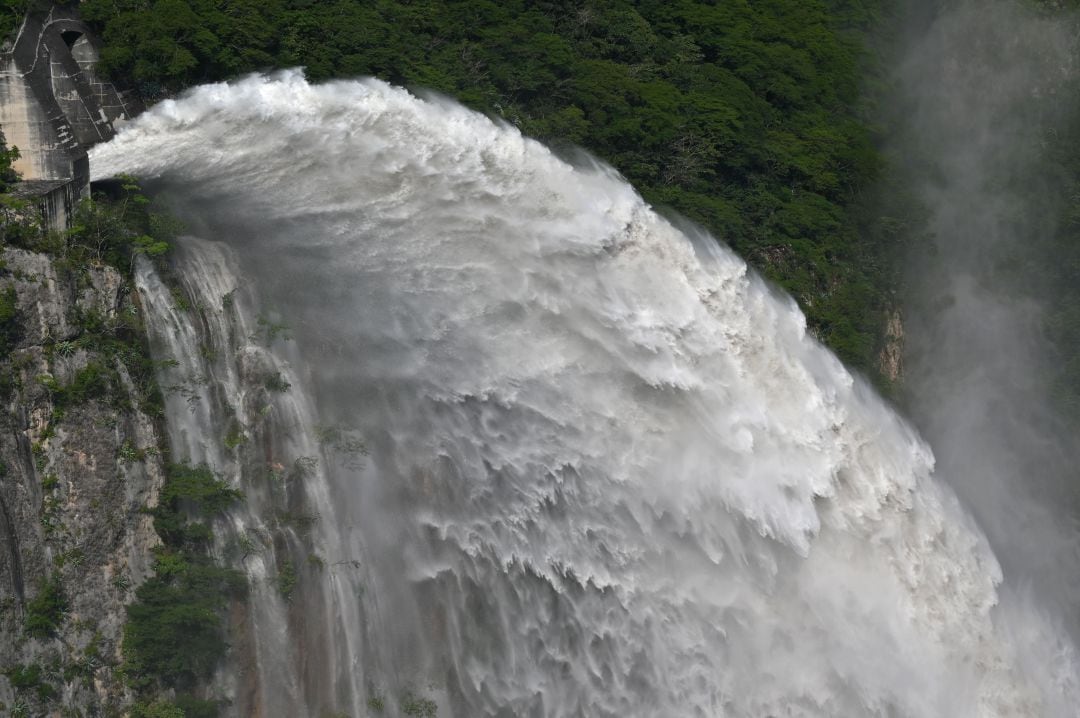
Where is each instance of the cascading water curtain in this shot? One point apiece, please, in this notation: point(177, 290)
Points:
point(608, 473)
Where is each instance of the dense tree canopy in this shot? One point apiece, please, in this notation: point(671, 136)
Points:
point(743, 116)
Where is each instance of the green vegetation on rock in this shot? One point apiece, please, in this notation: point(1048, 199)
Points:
point(31, 677)
point(419, 707)
point(8, 155)
point(9, 320)
point(175, 632)
point(45, 611)
point(181, 707)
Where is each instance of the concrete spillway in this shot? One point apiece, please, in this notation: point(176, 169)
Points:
point(54, 106)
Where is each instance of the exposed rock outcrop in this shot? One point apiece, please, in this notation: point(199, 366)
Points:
point(891, 357)
point(80, 461)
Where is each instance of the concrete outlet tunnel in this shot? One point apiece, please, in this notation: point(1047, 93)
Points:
point(54, 106)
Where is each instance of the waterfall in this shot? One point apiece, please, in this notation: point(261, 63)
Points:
point(529, 449)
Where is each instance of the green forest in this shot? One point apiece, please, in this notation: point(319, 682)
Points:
point(746, 117)
point(755, 119)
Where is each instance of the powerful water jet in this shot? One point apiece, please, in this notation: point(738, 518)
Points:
point(608, 473)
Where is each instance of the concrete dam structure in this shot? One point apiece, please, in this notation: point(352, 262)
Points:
point(54, 106)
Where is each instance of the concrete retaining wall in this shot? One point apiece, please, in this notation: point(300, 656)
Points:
point(54, 105)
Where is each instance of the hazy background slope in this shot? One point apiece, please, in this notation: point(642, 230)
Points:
point(983, 103)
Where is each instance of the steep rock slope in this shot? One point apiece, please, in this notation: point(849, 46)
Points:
point(79, 457)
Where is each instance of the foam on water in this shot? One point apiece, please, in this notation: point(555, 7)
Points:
point(609, 472)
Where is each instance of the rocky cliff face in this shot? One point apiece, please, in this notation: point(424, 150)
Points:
point(891, 357)
point(79, 461)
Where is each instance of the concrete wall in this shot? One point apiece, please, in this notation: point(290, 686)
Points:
point(46, 143)
point(115, 105)
point(53, 104)
point(54, 201)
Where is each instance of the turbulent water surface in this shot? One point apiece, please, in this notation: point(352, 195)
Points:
point(606, 471)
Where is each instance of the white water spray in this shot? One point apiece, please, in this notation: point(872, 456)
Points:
point(609, 472)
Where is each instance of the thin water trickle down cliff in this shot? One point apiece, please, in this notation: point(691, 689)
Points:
point(231, 406)
point(609, 474)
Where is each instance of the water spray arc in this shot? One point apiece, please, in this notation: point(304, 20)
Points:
point(607, 471)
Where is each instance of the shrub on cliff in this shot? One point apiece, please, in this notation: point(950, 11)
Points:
point(45, 611)
point(8, 155)
point(10, 328)
point(175, 632)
